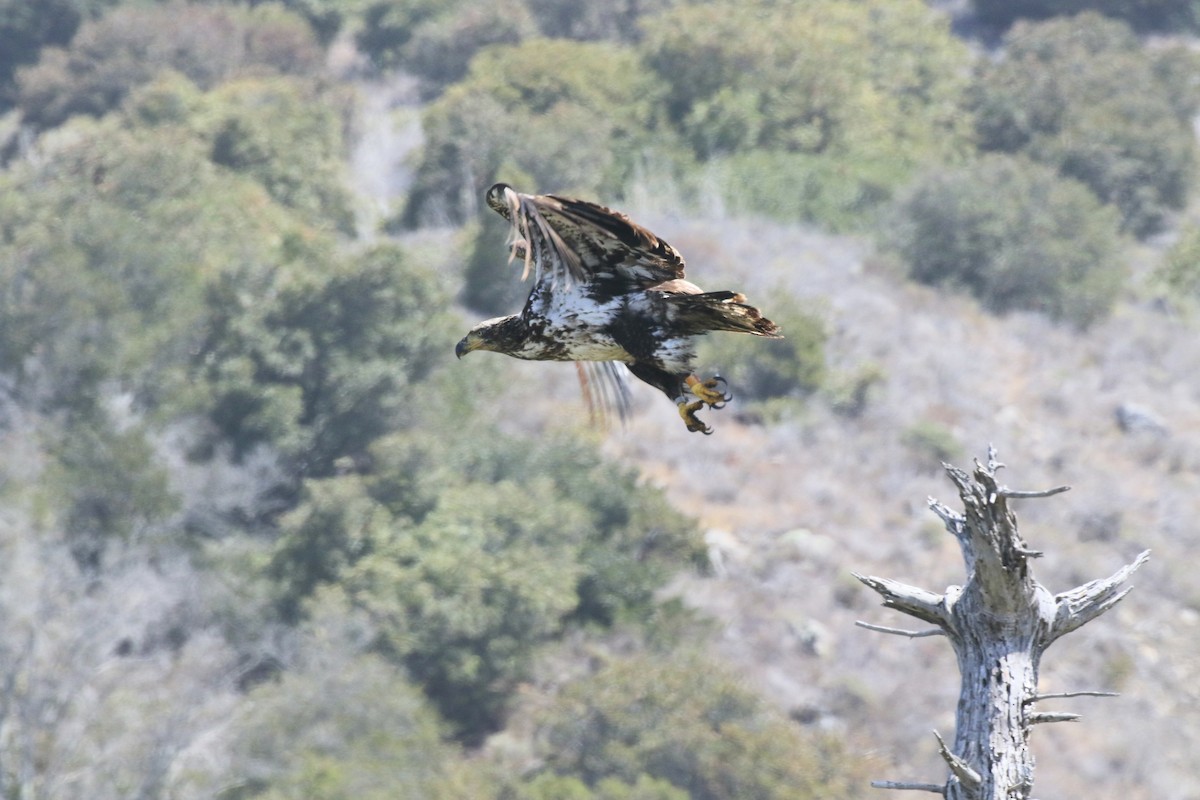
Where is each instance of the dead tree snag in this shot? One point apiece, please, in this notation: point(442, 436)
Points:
point(999, 624)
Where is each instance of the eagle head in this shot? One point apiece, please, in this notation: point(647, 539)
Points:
point(500, 335)
point(502, 199)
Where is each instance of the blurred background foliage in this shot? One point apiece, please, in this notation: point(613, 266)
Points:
point(225, 387)
point(1013, 234)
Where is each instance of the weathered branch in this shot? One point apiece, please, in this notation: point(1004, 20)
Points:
point(950, 517)
point(1059, 695)
point(935, 788)
point(1004, 491)
point(1079, 606)
point(927, 606)
point(971, 780)
point(900, 631)
point(1042, 717)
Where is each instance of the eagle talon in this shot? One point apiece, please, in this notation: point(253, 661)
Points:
point(712, 392)
point(722, 385)
point(688, 412)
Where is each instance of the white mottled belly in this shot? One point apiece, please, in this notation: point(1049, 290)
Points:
point(577, 329)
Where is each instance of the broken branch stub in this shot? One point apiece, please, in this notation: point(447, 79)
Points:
point(999, 623)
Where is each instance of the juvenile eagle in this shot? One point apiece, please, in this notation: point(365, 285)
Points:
point(608, 290)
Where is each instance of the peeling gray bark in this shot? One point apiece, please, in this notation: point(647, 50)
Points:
point(999, 624)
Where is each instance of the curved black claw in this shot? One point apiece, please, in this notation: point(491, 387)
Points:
point(720, 386)
point(694, 424)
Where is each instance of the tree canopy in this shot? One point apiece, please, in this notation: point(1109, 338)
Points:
point(1082, 96)
point(1013, 234)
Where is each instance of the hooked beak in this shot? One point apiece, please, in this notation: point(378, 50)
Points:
point(462, 348)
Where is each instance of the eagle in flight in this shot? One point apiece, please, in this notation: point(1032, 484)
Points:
point(607, 290)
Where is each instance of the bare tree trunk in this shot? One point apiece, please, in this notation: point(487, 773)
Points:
point(999, 624)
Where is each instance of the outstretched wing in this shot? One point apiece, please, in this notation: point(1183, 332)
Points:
point(577, 242)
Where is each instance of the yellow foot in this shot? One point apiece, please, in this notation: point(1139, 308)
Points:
point(711, 392)
point(688, 412)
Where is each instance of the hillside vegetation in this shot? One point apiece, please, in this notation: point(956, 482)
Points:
point(262, 537)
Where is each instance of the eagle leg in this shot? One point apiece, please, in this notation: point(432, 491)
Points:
point(712, 392)
point(688, 412)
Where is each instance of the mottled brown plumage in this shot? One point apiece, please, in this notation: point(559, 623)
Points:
point(608, 290)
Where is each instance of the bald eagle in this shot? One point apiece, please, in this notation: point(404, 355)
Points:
point(607, 291)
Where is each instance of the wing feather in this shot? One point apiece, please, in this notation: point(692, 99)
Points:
point(579, 242)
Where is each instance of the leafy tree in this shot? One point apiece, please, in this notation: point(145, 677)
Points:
point(1083, 96)
point(548, 786)
point(132, 44)
point(1161, 15)
point(287, 136)
point(687, 722)
point(108, 487)
point(442, 47)
point(465, 597)
point(387, 27)
point(340, 724)
point(794, 78)
point(549, 114)
point(327, 17)
point(436, 42)
point(25, 28)
point(1179, 272)
point(633, 541)
point(335, 525)
point(619, 20)
point(106, 248)
point(318, 357)
point(1013, 234)
point(820, 108)
point(497, 547)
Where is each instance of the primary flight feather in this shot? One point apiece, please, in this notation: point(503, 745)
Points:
point(608, 291)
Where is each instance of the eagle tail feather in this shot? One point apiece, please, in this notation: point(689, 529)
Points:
point(723, 311)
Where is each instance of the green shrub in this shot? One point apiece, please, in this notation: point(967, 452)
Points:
point(685, 721)
point(25, 28)
point(1084, 97)
point(348, 727)
point(464, 598)
point(932, 444)
point(838, 193)
point(318, 357)
point(546, 115)
point(107, 486)
point(387, 27)
point(470, 551)
point(810, 110)
point(106, 247)
point(1161, 15)
point(441, 48)
point(616, 21)
point(1013, 234)
point(287, 134)
point(133, 44)
point(1179, 272)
